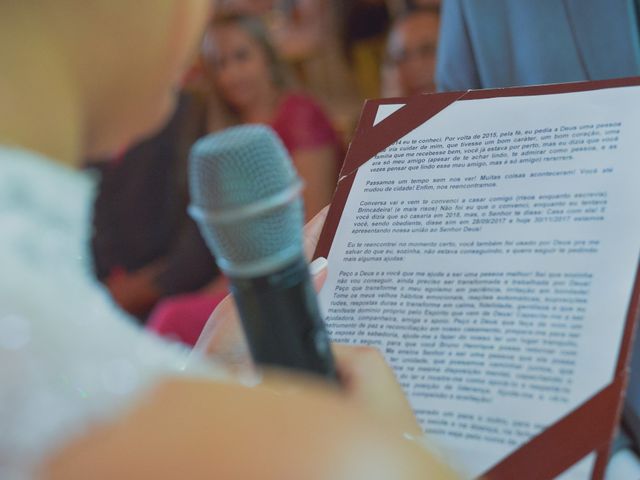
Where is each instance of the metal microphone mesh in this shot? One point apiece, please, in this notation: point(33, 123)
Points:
point(234, 177)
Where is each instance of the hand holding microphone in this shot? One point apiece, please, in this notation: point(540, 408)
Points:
point(245, 198)
point(365, 377)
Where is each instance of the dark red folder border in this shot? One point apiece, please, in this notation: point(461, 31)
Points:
point(590, 427)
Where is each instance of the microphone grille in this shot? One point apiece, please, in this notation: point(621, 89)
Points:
point(244, 196)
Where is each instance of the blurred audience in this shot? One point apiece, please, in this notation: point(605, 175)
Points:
point(144, 245)
point(253, 86)
point(411, 54)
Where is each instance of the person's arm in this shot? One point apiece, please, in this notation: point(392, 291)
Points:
point(319, 170)
point(286, 428)
point(187, 267)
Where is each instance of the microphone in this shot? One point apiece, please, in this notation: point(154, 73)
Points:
point(245, 198)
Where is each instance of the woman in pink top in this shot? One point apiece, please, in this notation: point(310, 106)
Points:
point(253, 87)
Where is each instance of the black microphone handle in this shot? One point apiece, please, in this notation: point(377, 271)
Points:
point(282, 321)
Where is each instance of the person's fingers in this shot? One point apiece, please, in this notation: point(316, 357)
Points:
point(367, 379)
point(312, 231)
point(318, 271)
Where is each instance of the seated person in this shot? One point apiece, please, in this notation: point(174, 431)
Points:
point(251, 83)
point(145, 247)
point(505, 44)
point(411, 54)
point(83, 392)
point(252, 86)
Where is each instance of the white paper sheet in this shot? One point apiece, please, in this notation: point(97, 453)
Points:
point(490, 254)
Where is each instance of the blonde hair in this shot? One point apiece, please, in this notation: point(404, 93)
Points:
point(257, 31)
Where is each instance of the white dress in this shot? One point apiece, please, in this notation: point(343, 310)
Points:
point(68, 356)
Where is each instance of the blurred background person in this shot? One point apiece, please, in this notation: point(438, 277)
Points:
point(307, 35)
point(411, 54)
point(252, 86)
point(504, 43)
point(144, 245)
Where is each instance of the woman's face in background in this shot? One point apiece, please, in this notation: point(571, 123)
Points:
point(412, 48)
point(239, 66)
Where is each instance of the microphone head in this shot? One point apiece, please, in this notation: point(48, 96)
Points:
point(245, 197)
